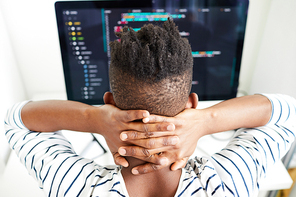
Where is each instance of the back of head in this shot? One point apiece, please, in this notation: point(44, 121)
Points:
point(151, 69)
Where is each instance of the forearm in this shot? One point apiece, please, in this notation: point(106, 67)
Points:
point(48, 116)
point(266, 145)
point(46, 154)
point(242, 112)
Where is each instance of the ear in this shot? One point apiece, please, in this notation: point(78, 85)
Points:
point(192, 101)
point(108, 98)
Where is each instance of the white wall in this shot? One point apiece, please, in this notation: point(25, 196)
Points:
point(33, 32)
point(12, 89)
point(275, 68)
point(269, 60)
point(257, 17)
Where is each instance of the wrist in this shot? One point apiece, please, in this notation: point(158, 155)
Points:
point(209, 117)
point(92, 117)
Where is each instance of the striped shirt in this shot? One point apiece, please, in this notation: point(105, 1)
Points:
point(234, 171)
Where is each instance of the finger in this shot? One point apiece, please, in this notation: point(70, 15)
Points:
point(163, 119)
point(139, 126)
point(138, 152)
point(156, 118)
point(135, 135)
point(146, 168)
point(120, 160)
point(158, 159)
point(179, 164)
point(131, 115)
point(158, 142)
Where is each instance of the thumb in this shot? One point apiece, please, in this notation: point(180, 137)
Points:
point(120, 160)
point(179, 164)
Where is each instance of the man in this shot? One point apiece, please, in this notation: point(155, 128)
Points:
point(151, 70)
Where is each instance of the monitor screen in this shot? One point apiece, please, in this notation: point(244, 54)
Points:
point(215, 29)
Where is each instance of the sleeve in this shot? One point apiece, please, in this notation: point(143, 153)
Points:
point(249, 155)
point(50, 158)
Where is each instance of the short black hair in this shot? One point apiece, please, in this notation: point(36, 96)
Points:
point(151, 69)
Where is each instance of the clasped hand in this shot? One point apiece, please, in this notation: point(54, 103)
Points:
point(159, 141)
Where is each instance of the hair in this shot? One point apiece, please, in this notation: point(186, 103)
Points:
point(151, 69)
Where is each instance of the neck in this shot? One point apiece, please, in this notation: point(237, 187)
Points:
point(150, 184)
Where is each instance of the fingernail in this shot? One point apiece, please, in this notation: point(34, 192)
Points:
point(134, 171)
point(175, 140)
point(123, 136)
point(122, 151)
point(145, 120)
point(171, 127)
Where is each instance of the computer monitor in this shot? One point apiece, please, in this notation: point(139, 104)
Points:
point(214, 28)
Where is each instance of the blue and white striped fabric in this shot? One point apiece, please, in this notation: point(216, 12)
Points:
point(234, 171)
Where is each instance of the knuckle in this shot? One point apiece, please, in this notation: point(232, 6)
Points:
point(132, 151)
point(134, 135)
point(158, 127)
point(144, 171)
point(148, 134)
point(145, 152)
point(128, 116)
point(154, 167)
point(166, 141)
point(164, 120)
point(145, 128)
point(151, 143)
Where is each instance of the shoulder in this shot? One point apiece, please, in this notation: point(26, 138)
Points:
point(200, 178)
point(109, 182)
